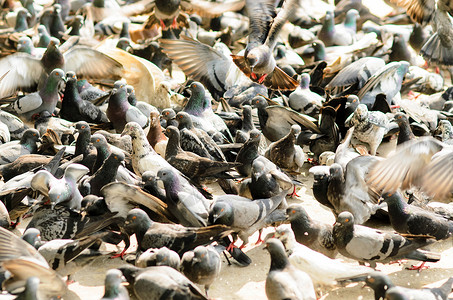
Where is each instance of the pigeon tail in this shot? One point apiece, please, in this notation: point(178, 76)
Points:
point(434, 51)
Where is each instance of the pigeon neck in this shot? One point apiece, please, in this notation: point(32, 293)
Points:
point(30, 145)
point(112, 290)
point(75, 30)
point(278, 261)
point(155, 134)
point(350, 22)
point(195, 105)
point(173, 146)
point(397, 208)
point(109, 168)
point(303, 223)
point(21, 23)
point(52, 58)
point(342, 234)
point(82, 143)
point(103, 153)
point(44, 39)
point(247, 122)
point(71, 94)
point(405, 133)
point(142, 228)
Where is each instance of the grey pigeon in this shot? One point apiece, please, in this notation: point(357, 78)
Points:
point(15, 125)
point(201, 265)
point(74, 108)
point(315, 235)
point(27, 145)
point(160, 282)
point(284, 281)
point(383, 287)
point(366, 244)
point(113, 289)
point(369, 126)
point(62, 191)
point(386, 80)
point(410, 219)
point(120, 112)
point(285, 153)
point(303, 100)
point(258, 62)
point(158, 257)
point(44, 100)
point(183, 199)
point(243, 215)
point(176, 237)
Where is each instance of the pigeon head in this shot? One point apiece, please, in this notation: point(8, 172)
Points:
point(295, 130)
point(136, 218)
point(258, 168)
point(116, 156)
point(30, 137)
point(184, 120)
point(129, 272)
point(296, 212)
point(162, 256)
point(32, 236)
point(390, 197)
point(319, 50)
point(254, 135)
point(133, 129)
point(259, 102)
point(123, 43)
point(400, 118)
point(59, 194)
point(168, 176)
point(99, 141)
point(221, 213)
point(71, 75)
point(336, 171)
point(25, 45)
point(351, 18)
point(304, 81)
point(113, 280)
point(345, 219)
point(252, 58)
point(444, 130)
point(168, 114)
point(361, 112)
point(172, 132)
point(200, 253)
point(284, 234)
point(279, 260)
point(154, 118)
point(82, 126)
point(379, 282)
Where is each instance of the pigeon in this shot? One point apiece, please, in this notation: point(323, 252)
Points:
point(284, 281)
point(245, 216)
point(26, 71)
point(410, 219)
point(366, 244)
point(405, 134)
point(370, 126)
point(74, 108)
point(315, 235)
point(155, 136)
point(200, 109)
point(276, 120)
point(65, 256)
point(62, 191)
point(113, 288)
point(184, 200)
point(425, 163)
point(200, 62)
point(15, 125)
point(190, 134)
point(322, 270)
point(24, 261)
point(44, 100)
point(248, 153)
point(285, 154)
point(175, 237)
point(341, 34)
point(383, 287)
point(437, 48)
point(349, 191)
point(27, 145)
point(201, 265)
point(144, 158)
point(104, 175)
point(160, 282)
point(120, 112)
point(303, 100)
point(158, 257)
point(386, 80)
point(258, 62)
point(190, 164)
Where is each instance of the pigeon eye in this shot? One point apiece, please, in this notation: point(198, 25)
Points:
point(134, 217)
point(346, 220)
point(57, 73)
point(115, 157)
point(98, 140)
point(371, 280)
point(83, 127)
point(221, 210)
point(293, 211)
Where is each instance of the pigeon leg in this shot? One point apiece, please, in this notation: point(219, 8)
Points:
point(253, 75)
point(162, 24)
point(230, 247)
point(262, 78)
point(229, 263)
point(174, 24)
point(294, 194)
point(69, 280)
point(419, 268)
point(260, 240)
point(121, 255)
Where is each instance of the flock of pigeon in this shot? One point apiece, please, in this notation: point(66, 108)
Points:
point(100, 141)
